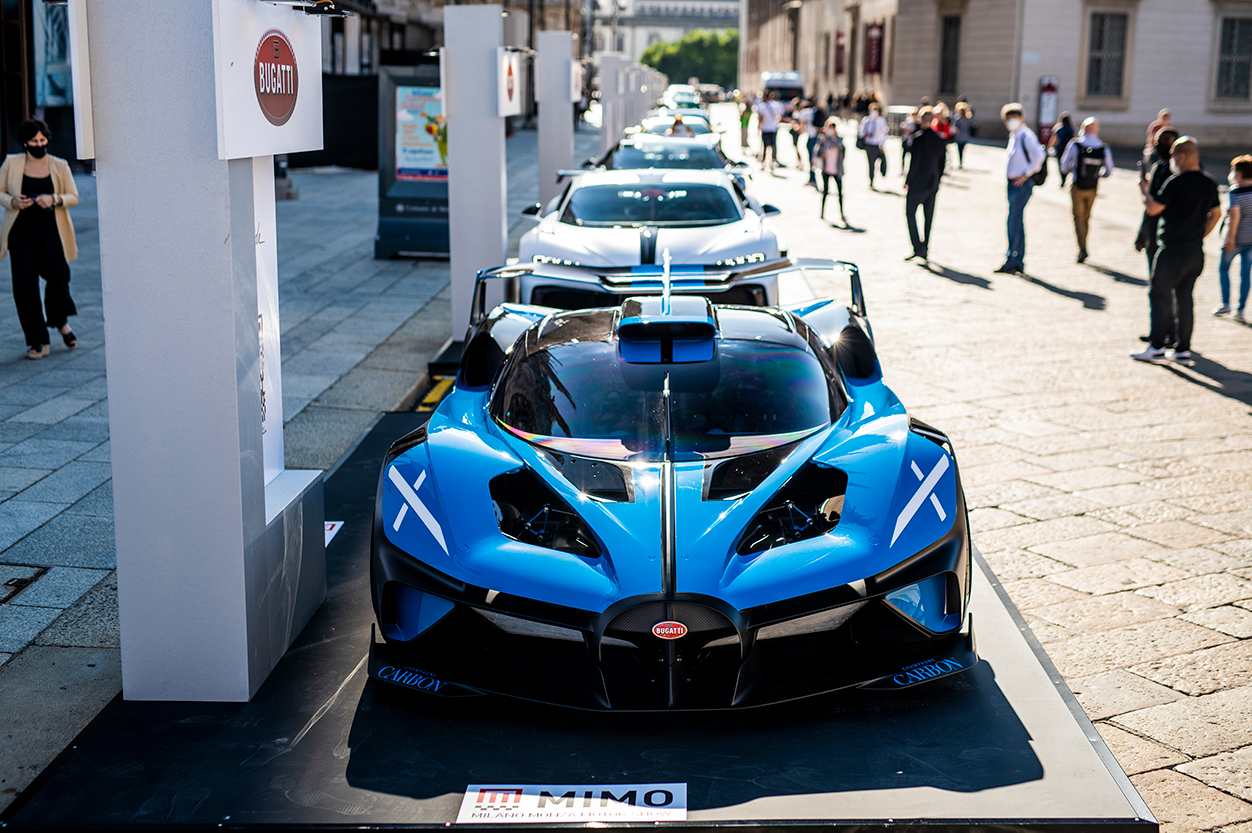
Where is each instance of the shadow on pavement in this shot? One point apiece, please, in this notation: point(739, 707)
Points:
point(846, 227)
point(1088, 299)
point(1214, 376)
point(1120, 277)
point(956, 275)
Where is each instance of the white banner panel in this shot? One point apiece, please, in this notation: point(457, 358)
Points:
point(268, 62)
point(266, 242)
point(546, 803)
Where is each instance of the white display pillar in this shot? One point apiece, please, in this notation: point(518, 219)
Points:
point(553, 87)
point(217, 572)
point(612, 102)
point(477, 190)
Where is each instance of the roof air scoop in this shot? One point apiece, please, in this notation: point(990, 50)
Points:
point(666, 329)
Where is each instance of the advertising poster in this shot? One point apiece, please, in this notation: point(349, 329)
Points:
point(421, 135)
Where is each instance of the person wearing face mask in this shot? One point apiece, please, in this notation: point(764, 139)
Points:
point(1024, 157)
point(1187, 208)
point(830, 153)
point(36, 190)
point(871, 135)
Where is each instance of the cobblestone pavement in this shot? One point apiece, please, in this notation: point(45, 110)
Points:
point(356, 336)
point(1113, 498)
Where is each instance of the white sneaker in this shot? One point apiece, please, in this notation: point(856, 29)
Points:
point(1149, 354)
point(1238, 316)
point(1181, 355)
point(1224, 309)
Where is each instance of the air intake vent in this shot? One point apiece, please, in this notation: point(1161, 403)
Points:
point(529, 511)
point(808, 505)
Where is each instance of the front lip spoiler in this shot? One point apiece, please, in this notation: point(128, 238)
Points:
point(571, 679)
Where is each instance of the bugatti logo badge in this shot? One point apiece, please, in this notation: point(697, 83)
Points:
point(276, 77)
point(669, 630)
point(925, 490)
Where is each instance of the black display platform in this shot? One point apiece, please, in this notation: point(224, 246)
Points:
point(1004, 745)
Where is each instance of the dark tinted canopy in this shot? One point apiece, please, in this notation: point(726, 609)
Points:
point(651, 204)
point(580, 398)
point(667, 155)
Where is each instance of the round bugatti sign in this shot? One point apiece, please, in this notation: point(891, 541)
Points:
point(669, 630)
point(276, 77)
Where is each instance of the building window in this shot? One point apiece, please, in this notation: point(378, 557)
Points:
point(826, 54)
point(1106, 55)
point(950, 54)
point(1234, 59)
point(653, 37)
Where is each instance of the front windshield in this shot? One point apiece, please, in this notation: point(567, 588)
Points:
point(666, 155)
point(582, 399)
point(659, 128)
point(659, 204)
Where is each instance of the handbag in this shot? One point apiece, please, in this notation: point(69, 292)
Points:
point(860, 143)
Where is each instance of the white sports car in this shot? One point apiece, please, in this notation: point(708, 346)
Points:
point(629, 218)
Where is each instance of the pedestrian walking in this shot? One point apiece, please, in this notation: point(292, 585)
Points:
point(1188, 207)
point(803, 132)
point(907, 128)
point(745, 121)
point(1024, 157)
point(680, 128)
point(927, 161)
point(797, 128)
point(871, 135)
point(770, 112)
point(830, 155)
point(1089, 160)
point(1062, 135)
point(37, 191)
point(1238, 240)
point(963, 130)
point(1154, 180)
point(1161, 122)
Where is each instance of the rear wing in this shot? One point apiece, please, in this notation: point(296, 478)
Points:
point(543, 284)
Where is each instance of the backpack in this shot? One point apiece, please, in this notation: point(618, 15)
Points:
point(1087, 169)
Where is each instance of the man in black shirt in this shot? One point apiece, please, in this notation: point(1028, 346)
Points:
point(929, 155)
point(1188, 209)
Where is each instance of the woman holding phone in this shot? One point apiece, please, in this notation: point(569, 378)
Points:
point(37, 191)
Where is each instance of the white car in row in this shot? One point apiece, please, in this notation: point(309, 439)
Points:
point(625, 218)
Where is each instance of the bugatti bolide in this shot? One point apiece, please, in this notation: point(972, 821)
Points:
point(671, 504)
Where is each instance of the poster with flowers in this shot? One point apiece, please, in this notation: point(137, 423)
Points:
point(421, 134)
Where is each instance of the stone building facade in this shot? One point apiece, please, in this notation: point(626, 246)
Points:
point(1118, 60)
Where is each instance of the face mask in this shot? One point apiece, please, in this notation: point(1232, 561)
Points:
point(1173, 166)
point(1013, 124)
point(37, 151)
point(1231, 179)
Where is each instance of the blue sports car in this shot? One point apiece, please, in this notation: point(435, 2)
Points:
point(670, 504)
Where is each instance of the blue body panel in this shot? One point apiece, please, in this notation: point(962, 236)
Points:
point(901, 496)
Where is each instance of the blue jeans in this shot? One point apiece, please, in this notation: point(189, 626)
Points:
point(1019, 195)
point(1244, 253)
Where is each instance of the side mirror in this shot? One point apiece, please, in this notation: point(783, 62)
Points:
point(768, 210)
point(532, 210)
point(590, 163)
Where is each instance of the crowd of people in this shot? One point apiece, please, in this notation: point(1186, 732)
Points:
point(1182, 203)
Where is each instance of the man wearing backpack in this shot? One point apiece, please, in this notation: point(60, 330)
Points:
point(1089, 160)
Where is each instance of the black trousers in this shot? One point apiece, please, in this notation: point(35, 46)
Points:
point(29, 260)
point(1174, 273)
point(826, 178)
point(926, 200)
point(875, 156)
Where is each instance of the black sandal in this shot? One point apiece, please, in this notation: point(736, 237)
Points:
point(70, 340)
